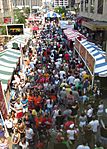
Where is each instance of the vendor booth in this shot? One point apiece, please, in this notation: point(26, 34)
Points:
point(71, 35)
point(95, 60)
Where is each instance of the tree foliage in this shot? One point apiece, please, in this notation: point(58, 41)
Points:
point(60, 10)
point(19, 17)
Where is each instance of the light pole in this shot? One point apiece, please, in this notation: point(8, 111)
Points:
point(30, 8)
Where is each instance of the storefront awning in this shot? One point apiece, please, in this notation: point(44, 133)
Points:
point(8, 62)
point(95, 25)
point(93, 56)
point(99, 56)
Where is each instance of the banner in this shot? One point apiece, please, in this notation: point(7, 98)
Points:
point(85, 55)
point(90, 61)
point(3, 108)
point(77, 45)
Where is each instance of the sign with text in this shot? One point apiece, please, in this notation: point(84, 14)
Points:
point(85, 55)
point(83, 52)
point(15, 29)
point(90, 61)
point(77, 45)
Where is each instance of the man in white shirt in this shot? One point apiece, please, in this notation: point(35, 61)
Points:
point(71, 79)
point(62, 73)
point(94, 124)
point(29, 134)
point(9, 125)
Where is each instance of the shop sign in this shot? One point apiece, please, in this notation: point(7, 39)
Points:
point(15, 29)
point(83, 52)
point(86, 56)
point(90, 61)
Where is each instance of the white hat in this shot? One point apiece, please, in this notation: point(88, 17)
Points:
point(71, 126)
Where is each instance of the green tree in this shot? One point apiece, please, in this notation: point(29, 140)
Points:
point(19, 17)
point(27, 11)
point(60, 10)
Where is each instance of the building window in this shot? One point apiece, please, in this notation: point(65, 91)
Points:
point(92, 6)
point(81, 5)
point(100, 7)
point(86, 5)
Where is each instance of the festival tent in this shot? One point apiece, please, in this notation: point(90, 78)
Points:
point(72, 34)
point(52, 14)
point(8, 62)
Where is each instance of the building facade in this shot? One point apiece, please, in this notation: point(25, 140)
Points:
point(61, 3)
point(5, 9)
point(94, 9)
point(94, 21)
point(26, 3)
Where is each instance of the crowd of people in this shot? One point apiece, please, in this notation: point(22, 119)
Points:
point(50, 102)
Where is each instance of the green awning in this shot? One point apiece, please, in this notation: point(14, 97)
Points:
point(8, 62)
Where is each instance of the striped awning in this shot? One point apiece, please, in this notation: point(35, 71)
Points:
point(99, 56)
point(72, 34)
point(21, 40)
point(8, 62)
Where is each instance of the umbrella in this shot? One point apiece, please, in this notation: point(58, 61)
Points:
point(52, 14)
point(35, 28)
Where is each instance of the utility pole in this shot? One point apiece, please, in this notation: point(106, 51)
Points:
point(30, 7)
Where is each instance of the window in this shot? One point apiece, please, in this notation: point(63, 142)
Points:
point(100, 7)
point(86, 5)
point(81, 5)
point(92, 6)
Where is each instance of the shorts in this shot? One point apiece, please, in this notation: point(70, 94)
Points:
point(25, 110)
point(19, 115)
